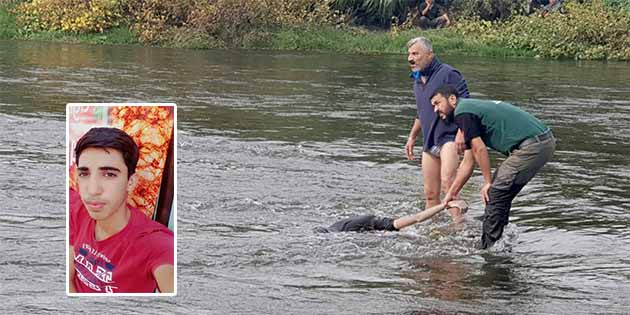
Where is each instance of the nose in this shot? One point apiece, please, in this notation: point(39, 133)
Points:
point(94, 187)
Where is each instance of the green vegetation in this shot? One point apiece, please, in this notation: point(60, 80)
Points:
point(592, 31)
point(357, 40)
point(8, 24)
point(595, 29)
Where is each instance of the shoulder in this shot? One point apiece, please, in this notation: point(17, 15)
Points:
point(145, 225)
point(149, 232)
point(450, 73)
point(462, 104)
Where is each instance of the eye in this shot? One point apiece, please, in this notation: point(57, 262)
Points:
point(110, 174)
point(83, 174)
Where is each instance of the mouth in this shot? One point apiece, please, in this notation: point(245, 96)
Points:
point(95, 205)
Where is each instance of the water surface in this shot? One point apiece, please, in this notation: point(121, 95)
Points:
point(272, 144)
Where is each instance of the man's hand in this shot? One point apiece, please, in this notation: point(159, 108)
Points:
point(460, 143)
point(447, 198)
point(427, 8)
point(409, 148)
point(484, 192)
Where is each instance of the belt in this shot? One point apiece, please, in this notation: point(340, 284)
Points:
point(539, 138)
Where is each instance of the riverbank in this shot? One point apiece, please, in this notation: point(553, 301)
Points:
point(555, 37)
point(321, 38)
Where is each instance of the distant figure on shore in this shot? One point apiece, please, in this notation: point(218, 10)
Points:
point(365, 223)
point(546, 6)
point(432, 15)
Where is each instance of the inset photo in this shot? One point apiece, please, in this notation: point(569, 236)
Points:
point(121, 203)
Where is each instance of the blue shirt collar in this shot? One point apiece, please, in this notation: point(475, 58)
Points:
point(415, 75)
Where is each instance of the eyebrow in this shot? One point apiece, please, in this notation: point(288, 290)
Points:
point(102, 168)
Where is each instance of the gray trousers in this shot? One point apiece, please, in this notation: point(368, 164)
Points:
point(511, 176)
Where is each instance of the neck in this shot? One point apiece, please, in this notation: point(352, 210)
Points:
point(113, 224)
point(430, 68)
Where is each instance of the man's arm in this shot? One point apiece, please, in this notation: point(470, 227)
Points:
point(464, 171)
point(428, 213)
point(424, 8)
point(480, 151)
point(165, 277)
point(411, 140)
point(71, 271)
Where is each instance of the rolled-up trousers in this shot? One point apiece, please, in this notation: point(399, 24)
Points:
point(508, 180)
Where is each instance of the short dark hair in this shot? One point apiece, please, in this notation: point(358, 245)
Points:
point(446, 91)
point(110, 138)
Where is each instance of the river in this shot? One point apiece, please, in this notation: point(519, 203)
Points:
point(273, 144)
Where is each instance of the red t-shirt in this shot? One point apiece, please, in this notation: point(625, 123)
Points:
point(125, 261)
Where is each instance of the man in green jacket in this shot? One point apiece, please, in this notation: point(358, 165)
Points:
point(501, 126)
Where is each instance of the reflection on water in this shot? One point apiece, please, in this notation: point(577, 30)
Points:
point(272, 144)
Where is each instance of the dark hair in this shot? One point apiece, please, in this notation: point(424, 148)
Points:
point(110, 138)
point(446, 91)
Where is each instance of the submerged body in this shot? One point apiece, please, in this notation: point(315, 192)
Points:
point(365, 223)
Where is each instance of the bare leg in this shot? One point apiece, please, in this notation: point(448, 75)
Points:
point(449, 163)
point(431, 173)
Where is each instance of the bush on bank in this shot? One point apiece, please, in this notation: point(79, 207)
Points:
point(596, 29)
point(76, 16)
point(224, 23)
point(591, 30)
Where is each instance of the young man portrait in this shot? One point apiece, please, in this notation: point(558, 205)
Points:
point(113, 247)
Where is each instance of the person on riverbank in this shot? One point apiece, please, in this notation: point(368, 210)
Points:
point(114, 248)
point(439, 158)
point(432, 15)
point(528, 143)
point(366, 223)
point(545, 6)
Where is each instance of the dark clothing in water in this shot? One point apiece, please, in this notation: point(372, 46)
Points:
point(362, 223)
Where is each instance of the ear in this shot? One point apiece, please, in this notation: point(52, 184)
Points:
point(131, 183)
point(452, 100)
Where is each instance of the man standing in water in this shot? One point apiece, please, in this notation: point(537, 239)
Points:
point(439, 152)
point(527, 142)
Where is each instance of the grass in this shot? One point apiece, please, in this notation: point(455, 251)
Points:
point(356, 40)
point(8, 25)
point(117, 36)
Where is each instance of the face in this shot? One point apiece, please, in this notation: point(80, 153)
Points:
point(443, 106)
point(418, 57)
point(103, 182)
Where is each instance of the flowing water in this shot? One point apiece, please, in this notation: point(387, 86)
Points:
point(273, 144)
